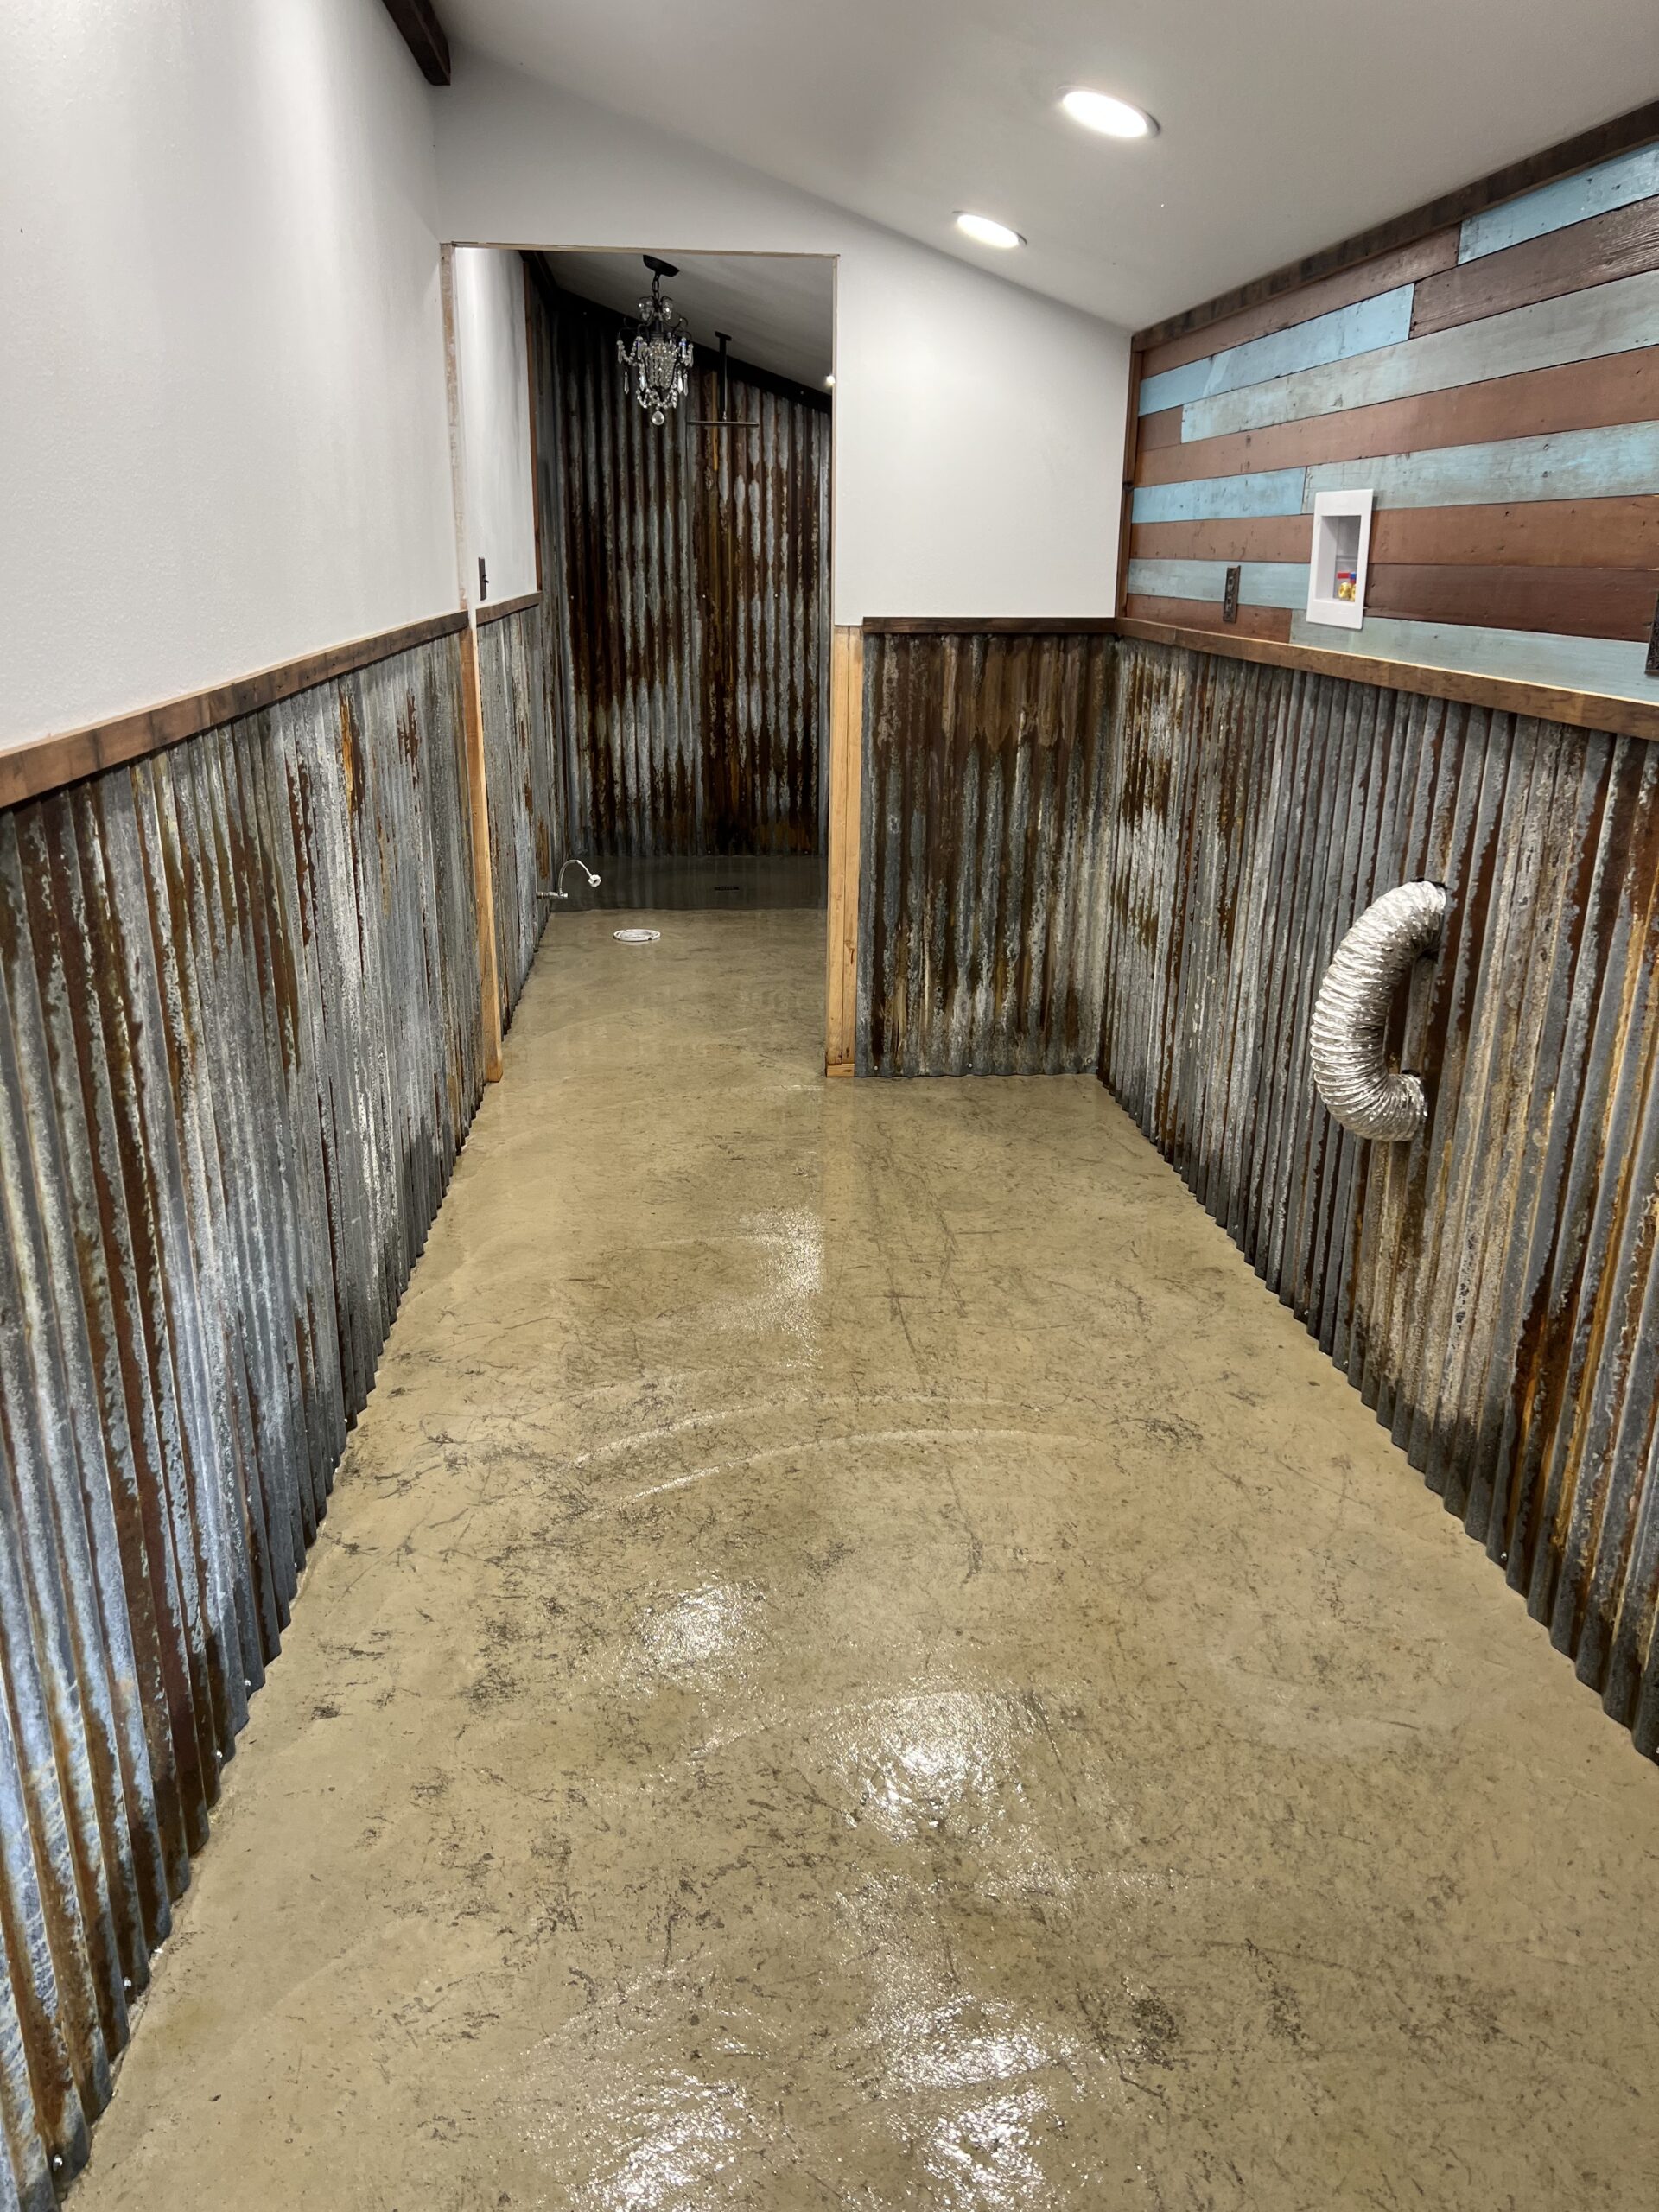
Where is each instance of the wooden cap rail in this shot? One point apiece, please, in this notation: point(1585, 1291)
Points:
point(47, 763)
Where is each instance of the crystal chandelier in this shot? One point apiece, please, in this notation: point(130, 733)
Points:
point(659, 354)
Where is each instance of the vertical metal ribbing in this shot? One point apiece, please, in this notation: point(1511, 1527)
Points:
point(686, 589)
point(981, 947)
point(239, 1018)
point(1492, 1289)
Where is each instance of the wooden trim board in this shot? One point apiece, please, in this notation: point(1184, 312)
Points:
point(472, 715)
point(846, 791)
point(66, 757)
point(1580, 709)
point(992, 625)
point(506, 606)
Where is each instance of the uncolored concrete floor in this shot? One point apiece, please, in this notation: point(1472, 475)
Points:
point(858, 1658)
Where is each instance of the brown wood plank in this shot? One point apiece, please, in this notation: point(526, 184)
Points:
point(1638, 127)
point(1155, 432)
point(1573, 602)
point(472, 705)
point(1131, 449)
point(1558, 533)
point(1580, 396)
point(991, 625)
point(495, 612)
point(46, 763)
point(846, 785)
point(1265, 537)
point(423, 36)
point(1621, 243)
point(1582, 709)
point(1419, 257)
point(1205, 614)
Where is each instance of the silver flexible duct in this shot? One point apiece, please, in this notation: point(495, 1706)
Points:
point(1347, 1035)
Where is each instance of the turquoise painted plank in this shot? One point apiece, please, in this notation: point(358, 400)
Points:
point(1173, 387)
point(1617, 183)
point(1614, 318)
point(1565, 465)
point(1610, 665)
point(1261, 583)
point(1383, 320)
point(1211, 499)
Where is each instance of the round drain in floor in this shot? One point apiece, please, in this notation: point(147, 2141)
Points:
point(636, 937)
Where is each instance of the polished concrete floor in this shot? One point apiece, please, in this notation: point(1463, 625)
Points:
point(858, 1658)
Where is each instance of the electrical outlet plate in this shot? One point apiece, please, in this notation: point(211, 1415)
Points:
point(1341, 553)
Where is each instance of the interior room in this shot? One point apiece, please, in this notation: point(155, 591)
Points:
point(829, 1107)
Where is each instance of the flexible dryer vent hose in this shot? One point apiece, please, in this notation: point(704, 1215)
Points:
point(1347, 1037)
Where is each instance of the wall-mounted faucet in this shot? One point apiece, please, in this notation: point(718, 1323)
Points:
point(560, 893)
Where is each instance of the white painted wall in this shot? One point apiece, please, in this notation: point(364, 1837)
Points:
point(493, 371)
point(979, 430)
point(223, 437)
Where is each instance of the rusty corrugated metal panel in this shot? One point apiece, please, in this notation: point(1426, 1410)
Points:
point(526, 787)
point(1491, 1288)
point(238, 1053)
point(688, 575)
point(980, 937)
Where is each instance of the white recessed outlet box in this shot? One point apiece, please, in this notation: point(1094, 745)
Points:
point(1342, 544)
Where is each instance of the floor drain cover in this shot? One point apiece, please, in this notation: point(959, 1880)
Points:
point(636, 937)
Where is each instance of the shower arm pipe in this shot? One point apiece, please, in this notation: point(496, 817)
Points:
point(560, 892)
point(1347, 1034)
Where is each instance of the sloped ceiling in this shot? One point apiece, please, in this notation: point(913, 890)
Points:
point(1286, 124)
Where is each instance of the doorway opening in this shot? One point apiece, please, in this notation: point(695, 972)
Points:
point(681, 515)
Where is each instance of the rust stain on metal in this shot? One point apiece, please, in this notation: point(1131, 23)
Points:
point(981, 938)
point(1491, 1289)
point(238, 1055)
point(687, 582)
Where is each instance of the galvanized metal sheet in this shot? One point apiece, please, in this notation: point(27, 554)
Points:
point(238, 1053)
point(1492, 1288)
point(981, 942)
point(688, 577)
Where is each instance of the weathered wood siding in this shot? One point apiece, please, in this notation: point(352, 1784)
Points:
point(980, 941)
point(1496, 385)
point(687, 575)
point(1492, 1288)
point(240, 1026)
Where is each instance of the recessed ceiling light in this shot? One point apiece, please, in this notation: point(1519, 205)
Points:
point(1116, 118)
point(987, 231)
point(829, 384)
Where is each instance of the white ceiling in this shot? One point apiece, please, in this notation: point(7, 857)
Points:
point(1287, 123)
point(778, 308)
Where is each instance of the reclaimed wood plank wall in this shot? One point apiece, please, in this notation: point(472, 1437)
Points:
point(1495, 382)
point(688, 575)
point(1492, 1288)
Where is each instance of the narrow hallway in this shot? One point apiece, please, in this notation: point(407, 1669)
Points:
point(858, 1656)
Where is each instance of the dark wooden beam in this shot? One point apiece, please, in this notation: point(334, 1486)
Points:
point(1618, 136)
point(423, 36)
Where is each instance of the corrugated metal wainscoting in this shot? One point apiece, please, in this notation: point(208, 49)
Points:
point(525, 786)
point(980, 938)
point(238, 1052)
point(688, 574)
point(1492, 1288)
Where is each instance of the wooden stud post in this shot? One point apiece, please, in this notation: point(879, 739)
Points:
point(846, 779)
